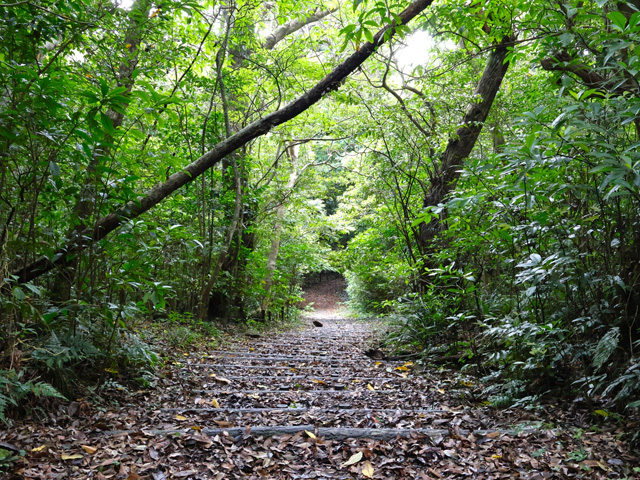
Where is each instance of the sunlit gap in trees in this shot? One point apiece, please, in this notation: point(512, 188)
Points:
point(418, 51)
point(126, 4)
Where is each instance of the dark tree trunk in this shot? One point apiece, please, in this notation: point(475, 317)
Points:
point(462, 142)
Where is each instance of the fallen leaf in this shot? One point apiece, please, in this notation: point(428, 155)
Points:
point(367, 469)
point(370, 387)
point(318, 381)
point(38, 449)
point(220, 379)
point(311, 435)
point(355, 458)
point(195, 427)
point(75, 456)
point(181, 418)
point(89, 449)
point(215, 403)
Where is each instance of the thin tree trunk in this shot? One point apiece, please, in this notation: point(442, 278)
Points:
point(207, 286)
point(277, 228)
point(462, 142)
point(293, 26)
point(162, 190)
point(86, 202)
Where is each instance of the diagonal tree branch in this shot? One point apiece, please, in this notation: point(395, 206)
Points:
point(563, 62)
point(293, 26)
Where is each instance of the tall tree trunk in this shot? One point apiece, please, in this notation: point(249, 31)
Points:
point(230, 162)
point(86, 202)
point(277, 227)
point(162, 190)
point(462, 142)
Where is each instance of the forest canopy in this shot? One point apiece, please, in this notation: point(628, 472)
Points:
point(470, 167)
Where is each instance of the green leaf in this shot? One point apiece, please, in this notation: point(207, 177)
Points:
point(618, 20)
point(107, 123)
point(104, 88)
point(54, 168)
point(18, 293)
point(368, 35)
point(117, 91)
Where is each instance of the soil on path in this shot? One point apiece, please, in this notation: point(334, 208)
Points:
point(309, 404)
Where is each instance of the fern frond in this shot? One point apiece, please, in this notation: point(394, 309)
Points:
point(606, 346)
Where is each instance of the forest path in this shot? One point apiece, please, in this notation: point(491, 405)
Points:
point(308, 403)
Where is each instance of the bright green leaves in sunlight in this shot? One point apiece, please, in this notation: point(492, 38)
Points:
point(371, 20)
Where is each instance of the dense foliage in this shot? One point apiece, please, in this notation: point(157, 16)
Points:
point(520, 260)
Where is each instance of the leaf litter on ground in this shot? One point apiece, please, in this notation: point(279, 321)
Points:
point(162, 433)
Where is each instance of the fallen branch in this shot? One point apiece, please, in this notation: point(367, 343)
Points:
point(328, 433)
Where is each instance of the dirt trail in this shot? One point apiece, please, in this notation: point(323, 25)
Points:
point(309, 404)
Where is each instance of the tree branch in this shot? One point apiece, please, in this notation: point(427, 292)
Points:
point(293, 26)
point(563, 62)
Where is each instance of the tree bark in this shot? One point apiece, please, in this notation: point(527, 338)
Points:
point(277, 228)
point(86, 201)
point(462, 142)
point(162, 190)
point(293, 26)
point(563, 62)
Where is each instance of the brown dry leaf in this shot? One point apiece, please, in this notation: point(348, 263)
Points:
point(355, 458)
point(75, 456)
point(367, 469)
point(89, 449)
point(220, 379)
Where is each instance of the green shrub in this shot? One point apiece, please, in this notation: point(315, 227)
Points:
point(14, 390)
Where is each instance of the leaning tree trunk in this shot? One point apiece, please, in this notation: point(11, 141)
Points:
point(462, 142)
point(159, 192)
